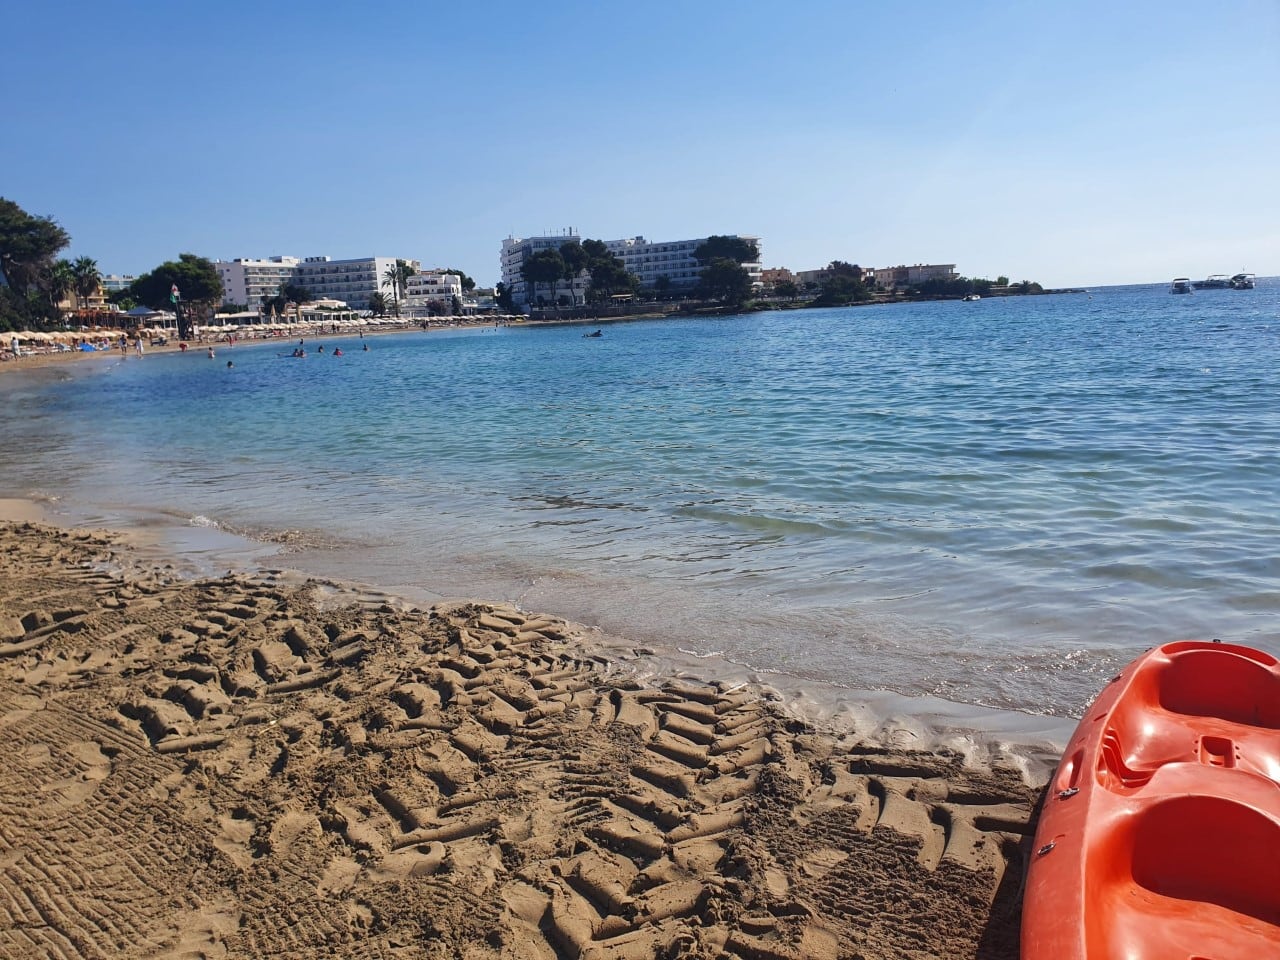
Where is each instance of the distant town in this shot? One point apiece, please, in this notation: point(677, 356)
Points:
point(547, 277)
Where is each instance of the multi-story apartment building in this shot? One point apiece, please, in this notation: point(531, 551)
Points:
point(353, 281)
point(647, 259)
point(515, 250)
point(772, 276)
point(812, 279)
point(672, 259)
point(431, 286)
point(904, 276)
point(247, 281)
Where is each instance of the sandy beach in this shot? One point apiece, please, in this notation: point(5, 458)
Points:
point(261, 765)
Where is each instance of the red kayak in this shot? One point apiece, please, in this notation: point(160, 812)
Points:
point(1159, 838)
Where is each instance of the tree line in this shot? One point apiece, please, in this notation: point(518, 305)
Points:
point(33, 279)
point(721, 277)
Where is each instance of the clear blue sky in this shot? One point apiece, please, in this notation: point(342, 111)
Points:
point(1073, 144)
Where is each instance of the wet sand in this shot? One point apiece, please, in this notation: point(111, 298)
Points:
point(261, 765)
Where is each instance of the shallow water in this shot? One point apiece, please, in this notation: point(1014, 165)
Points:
point(995, 503)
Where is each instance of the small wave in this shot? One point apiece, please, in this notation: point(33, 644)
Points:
point(201, 521)
point(701, 656)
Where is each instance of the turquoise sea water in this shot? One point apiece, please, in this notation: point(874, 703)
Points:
point(996, 503)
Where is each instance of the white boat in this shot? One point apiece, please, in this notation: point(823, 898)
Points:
point(1215, 281)
point(1242, 281)
point(971, 296)
point(1181, 285)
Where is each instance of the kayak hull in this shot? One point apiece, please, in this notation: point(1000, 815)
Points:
point(1159, 836)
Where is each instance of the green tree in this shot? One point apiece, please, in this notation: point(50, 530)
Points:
point(28, 246)
point(609, 275)
point(502, 296)
point(662, 286)
point(1002, 281)
point(843, 284)
point(195, 277)
point(726, 280)
point(609, 278)
point(455, 304)
point(726, 248)
point(199, 289)
point(378, 303)
point(59, 281)
point(545, 266)
point(86, 279)
point(575, 261)
point(294, 293)
point(786, 288)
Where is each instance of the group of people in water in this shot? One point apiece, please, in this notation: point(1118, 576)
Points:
point(298, 352)
point(301, 349)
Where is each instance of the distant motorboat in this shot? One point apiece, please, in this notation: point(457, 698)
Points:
point(1181, 285)
point(1242, 281)
point(1215, 281)
point(971, 296)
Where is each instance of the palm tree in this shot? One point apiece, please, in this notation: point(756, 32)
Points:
point(378, 303)
point(391, 278)
point(59, 281)
point(397, 276)
point(87, 279)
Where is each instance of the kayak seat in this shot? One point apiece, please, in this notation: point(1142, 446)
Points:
point(1222, 684)
point(1218, 706)
point(1186, 875)
point(1205, 849)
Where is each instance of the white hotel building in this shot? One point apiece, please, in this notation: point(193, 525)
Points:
point(248, 281)
point(351, 281)
point(431, 286)
point(647, 259)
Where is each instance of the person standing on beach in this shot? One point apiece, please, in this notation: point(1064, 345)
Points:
point(14, 348)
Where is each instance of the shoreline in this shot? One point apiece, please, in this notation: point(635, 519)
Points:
point(984, 736)
point(32, 361)
point(469, 774)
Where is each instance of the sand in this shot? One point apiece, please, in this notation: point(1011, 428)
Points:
point(260, 766)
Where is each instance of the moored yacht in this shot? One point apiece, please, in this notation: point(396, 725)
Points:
point(1242, 281)
point(1181, 285)
point(1215, 281)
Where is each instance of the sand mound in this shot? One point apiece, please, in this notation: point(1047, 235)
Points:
point(231, 768)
